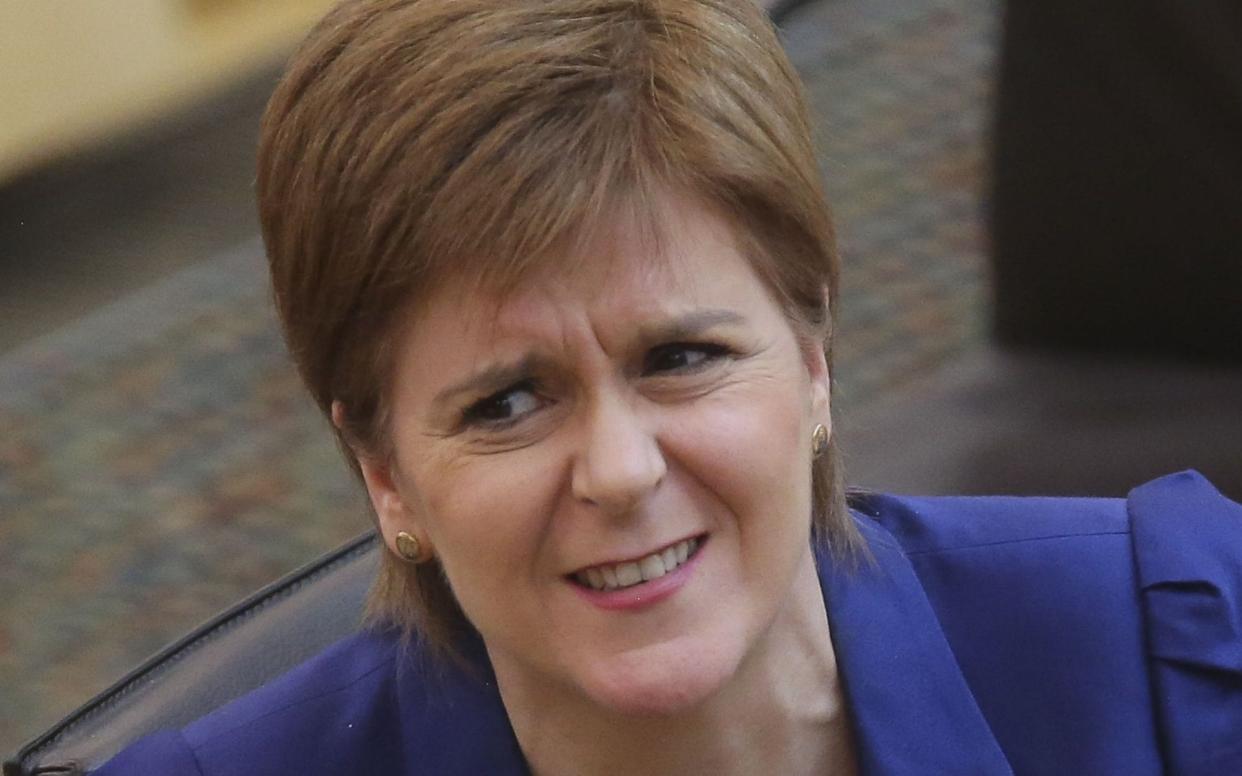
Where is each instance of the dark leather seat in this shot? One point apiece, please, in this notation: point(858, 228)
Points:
point(257, 640)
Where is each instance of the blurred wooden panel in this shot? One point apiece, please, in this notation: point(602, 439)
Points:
point(77, 72)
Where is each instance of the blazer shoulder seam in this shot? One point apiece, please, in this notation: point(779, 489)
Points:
point(1022, 540)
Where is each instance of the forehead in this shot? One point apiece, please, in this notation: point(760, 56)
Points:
point(680, 256)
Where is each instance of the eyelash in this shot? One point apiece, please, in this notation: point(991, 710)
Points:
point(474, 415)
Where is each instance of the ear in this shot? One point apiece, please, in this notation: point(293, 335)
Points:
point(384, 489)
point(816, 364)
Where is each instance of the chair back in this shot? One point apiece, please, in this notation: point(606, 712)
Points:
point(255, 641)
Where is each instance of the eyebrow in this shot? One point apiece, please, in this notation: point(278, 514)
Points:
point(491, 378)
point(689, 325)
point(503, 374)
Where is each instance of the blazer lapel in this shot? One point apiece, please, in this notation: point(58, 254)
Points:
point(911, 709)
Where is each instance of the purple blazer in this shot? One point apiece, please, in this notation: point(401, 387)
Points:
point(990, 636)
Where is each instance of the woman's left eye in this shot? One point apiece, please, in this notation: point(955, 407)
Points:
point(682, 357)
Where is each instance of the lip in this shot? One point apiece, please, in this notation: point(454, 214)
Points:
point(647, 593)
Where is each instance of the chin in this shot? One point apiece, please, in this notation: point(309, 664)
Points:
point(662, 680)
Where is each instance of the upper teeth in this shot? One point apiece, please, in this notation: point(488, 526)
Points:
point(654, 566)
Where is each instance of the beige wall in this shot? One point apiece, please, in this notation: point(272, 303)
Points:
point(74, 72)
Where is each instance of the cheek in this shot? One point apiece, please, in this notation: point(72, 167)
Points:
point(748, 449)
point(486, 521)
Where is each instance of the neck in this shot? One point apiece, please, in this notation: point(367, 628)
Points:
point(781, 712)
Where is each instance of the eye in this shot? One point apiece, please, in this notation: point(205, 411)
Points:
point(504, 407)
point(682, 357)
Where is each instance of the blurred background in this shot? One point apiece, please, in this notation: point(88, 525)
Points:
point(1040, 218)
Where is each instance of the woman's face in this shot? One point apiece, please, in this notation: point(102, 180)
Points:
point(612, 464)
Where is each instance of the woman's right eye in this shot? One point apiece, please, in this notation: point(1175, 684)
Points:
point(503, 408)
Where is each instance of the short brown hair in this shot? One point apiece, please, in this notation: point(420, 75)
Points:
point(414, 141)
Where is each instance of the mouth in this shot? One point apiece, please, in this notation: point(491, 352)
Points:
point(607, 577)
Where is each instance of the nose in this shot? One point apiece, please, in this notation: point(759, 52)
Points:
point(619, 461)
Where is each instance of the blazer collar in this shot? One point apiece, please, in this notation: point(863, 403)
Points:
point(909, 703)
point(911, 710)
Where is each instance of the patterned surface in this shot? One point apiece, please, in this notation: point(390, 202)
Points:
point(901, 95)
point(158, 460)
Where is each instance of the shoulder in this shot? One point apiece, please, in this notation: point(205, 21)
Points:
point(1170, 528)
point(964, 524)
point(1095, 612)
point(1008, 571)
point(1176, 528)
point(330, 714)
point(329, 709)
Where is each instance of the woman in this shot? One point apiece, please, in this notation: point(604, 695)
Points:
point(561, 273)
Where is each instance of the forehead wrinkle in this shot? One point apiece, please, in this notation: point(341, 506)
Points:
point(650, 297)
point(524, 333)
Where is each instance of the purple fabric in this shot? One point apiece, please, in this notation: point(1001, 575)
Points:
point(989, 636)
